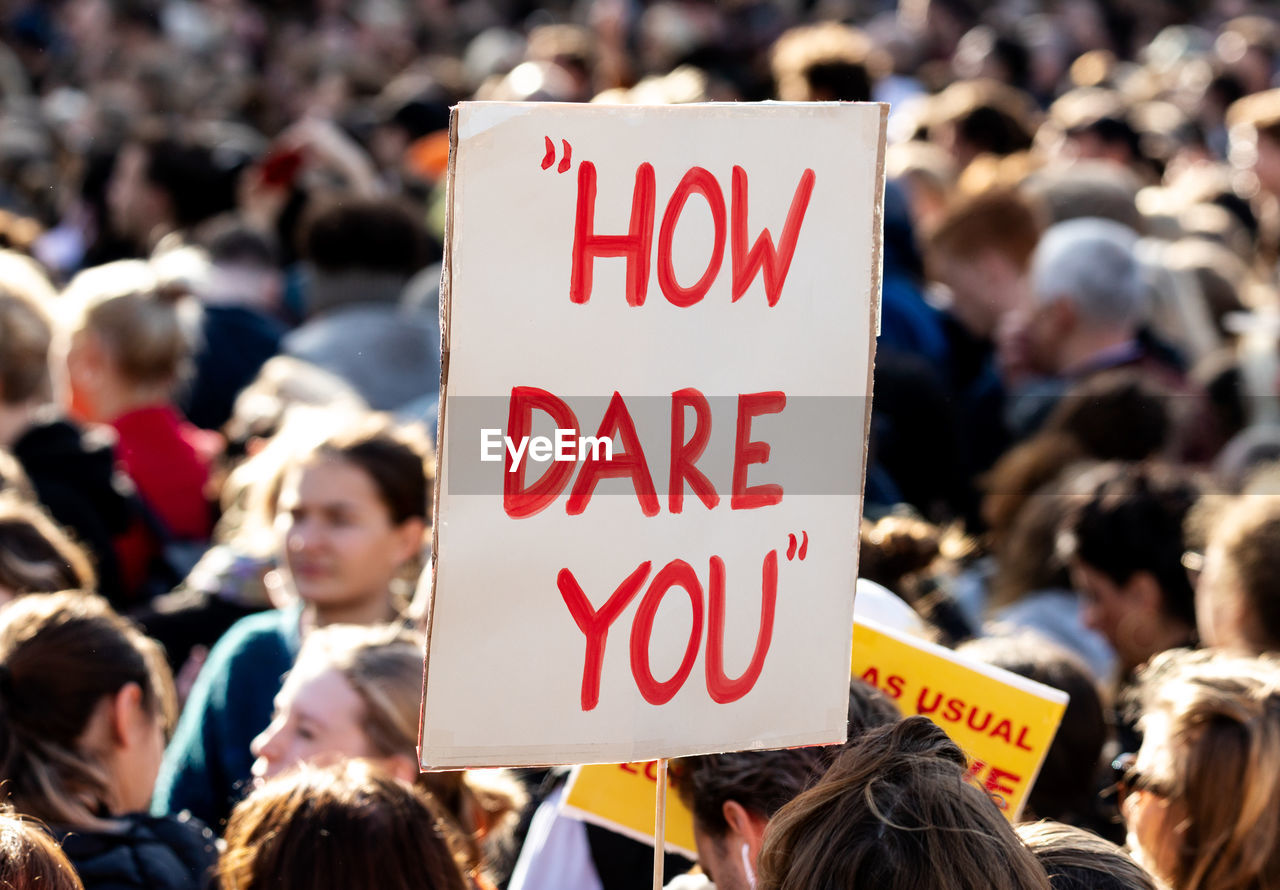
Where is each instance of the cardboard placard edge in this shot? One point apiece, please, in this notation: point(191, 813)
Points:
point(1008, 678)
point(446, 296)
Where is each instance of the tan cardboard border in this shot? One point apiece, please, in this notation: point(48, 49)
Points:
point(446, 296)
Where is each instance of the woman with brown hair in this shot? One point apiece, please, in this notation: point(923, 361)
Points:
point(896, 812)
point(377, 833)
point(1199, 798)
point(1237, 595)
point(1075, 859)
point(126, 352)
point(85, 700)
point(350, 513)
point(36, 554)
point(356, 692)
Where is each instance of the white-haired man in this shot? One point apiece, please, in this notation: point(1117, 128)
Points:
point(1091, 300)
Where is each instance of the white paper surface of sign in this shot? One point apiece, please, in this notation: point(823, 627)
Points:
point(510, 678)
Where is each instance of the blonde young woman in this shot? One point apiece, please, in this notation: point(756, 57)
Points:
point(355, 692)
point(85, 701)
point(127, 349)
point(1200, 797)
point(349, 519)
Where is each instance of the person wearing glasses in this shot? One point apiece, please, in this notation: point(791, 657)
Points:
point(1200, 798)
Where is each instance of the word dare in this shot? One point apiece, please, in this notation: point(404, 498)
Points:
point(521, 501)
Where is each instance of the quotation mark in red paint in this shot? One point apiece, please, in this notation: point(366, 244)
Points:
point(550, 157)
point(804, 547)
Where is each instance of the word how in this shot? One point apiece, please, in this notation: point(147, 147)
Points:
point(595, 624)
point(542, 449)
point(746, 262)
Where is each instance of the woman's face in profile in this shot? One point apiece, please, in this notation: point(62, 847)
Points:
point(1153, 818)
point(318, 720)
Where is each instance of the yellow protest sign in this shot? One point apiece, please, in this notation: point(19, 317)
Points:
point(622, 797)
point(1004, 722)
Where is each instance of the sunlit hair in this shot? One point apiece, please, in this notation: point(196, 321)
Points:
point(13, 479)
point(1246, 530)
point(397, 459)
point(383, 666)
point(25, 338)
point(827, 61)
point(1224, 743)
point(36, 554)
point(342, 827)
point(135, 314)
point(1091, 262)
point(30, 860)
point(61, 654)
point(282, 383)
point(896, 812)
point(1075, 859)
point(999, 220)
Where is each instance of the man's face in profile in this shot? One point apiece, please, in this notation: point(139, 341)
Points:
point(722, 859)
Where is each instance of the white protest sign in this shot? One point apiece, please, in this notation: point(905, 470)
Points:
point(658, 344)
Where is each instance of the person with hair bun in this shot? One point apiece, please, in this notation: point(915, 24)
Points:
point(896, 811)
point(356, 692)
point(127, 350)
point(377, 833)
point(349, 516)
point(85, 701)
point(1199, 797)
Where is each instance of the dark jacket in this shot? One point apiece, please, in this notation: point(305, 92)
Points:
point(75, 477)
point(235, 342)
point(145, 853)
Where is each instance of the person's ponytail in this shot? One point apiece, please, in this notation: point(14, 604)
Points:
point(60, 655)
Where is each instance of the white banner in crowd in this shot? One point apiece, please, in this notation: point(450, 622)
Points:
point(658, 343)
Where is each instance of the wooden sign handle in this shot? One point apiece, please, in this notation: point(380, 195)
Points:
point(660, 825)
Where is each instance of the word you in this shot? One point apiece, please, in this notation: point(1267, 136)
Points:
point(708, 606)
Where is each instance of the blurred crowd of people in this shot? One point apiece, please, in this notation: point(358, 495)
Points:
point(221, 228)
